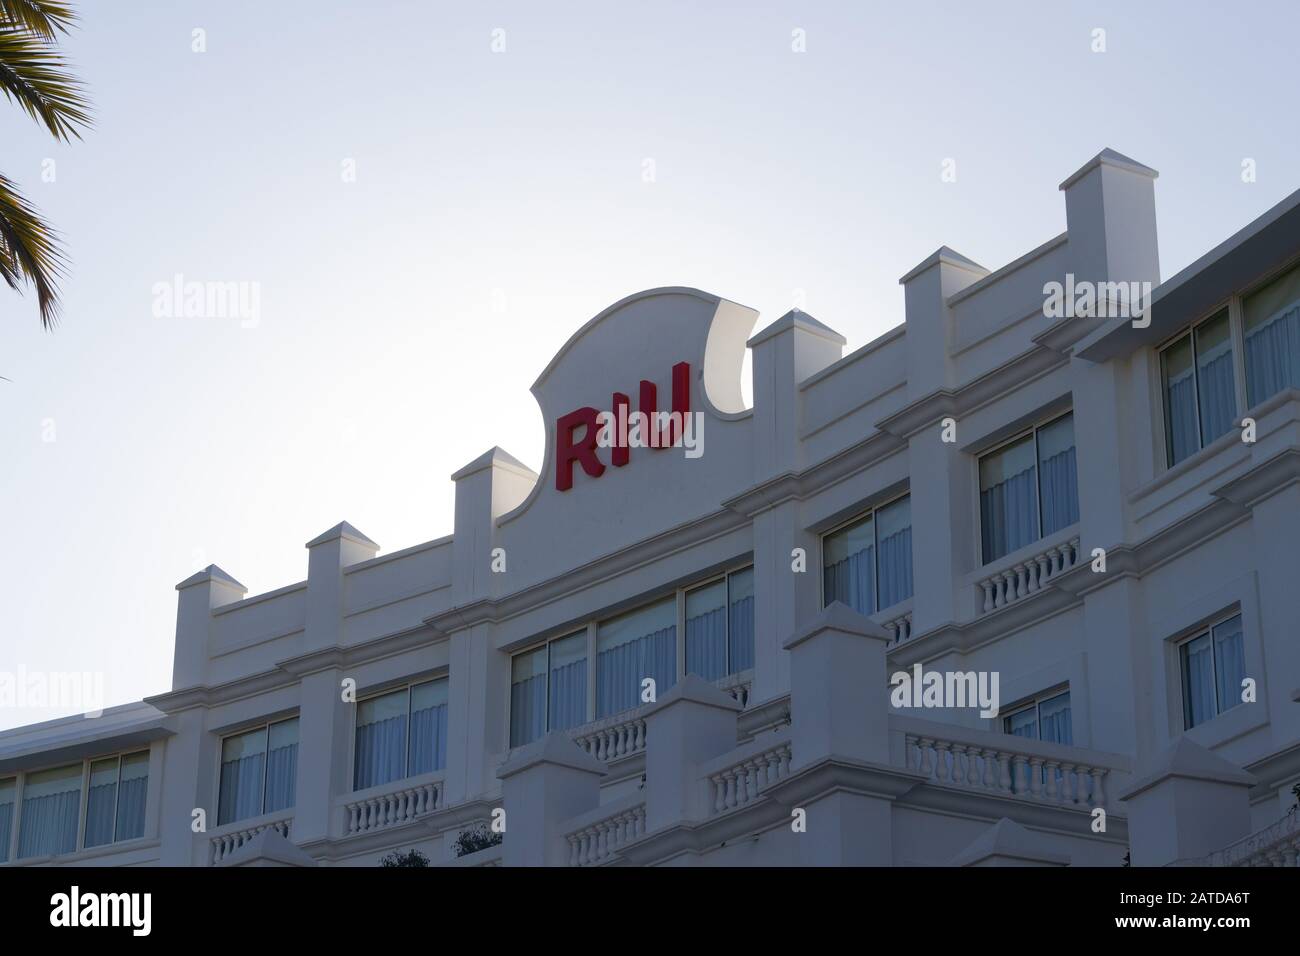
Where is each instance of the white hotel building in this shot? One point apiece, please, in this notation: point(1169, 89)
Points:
point(936, 497)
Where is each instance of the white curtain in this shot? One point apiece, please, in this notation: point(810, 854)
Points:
point(281, 777)
point(1273, 356)
point(1198, 683)
point(100, 808)
point(428, 739)
point(1229, 663)
point(241, 788)
point(569, 695)
point(6, 829)
point(130, 807)
point(706, 644)
point(620, 670)
point(1218, 394)
point(380, 752)
point(50, 823)
point(740, 636)
point(1059, 491)
point(527, 710)
point(895, 567)
point(852, 581)
point(1008, 515)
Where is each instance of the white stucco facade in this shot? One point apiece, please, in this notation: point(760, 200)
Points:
point(799, 757)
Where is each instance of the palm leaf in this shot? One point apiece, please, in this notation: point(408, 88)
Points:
point(42, 17)
point(34, 75)
point(29, 251)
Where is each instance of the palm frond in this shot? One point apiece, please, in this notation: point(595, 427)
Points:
point(29, 251)
point(45, 18)
point(35, 75)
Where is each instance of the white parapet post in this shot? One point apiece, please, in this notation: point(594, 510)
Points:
point(543, 784)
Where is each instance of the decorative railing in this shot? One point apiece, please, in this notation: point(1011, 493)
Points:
point(1033, 574)
point(1276, 845)
point(227, 842)
point(612, 737)
point(395, 804)
point(738, 686)
point(900, 628)
point(1011, 766)
point(740, 781)
point(594, 842)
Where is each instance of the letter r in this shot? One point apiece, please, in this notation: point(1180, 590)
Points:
point(584, 453)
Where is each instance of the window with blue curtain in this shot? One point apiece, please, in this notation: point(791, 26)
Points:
point(101, 802)
point(115, 799)
point(548, 689)
point(428, 745)
point(720, 626)
point(706, 630)
point(1008, 499)
point(740, 620)
point(567, 685)
point(631, 648)
point(1029, 488)
point(1271, 319)
point(132, 793)
point(527, 697)
point(380, 751)
point(243, 770)
point(868, 563)
point(1213, 667)
point(1047, 718)
point(1199, 387)
point(8, 793)
point(281, 765)
point(50, 812)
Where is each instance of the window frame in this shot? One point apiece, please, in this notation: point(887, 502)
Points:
point(406, 751)
point(1035, 703)
point(546, 709)
point(1237, 343)
point(725, 578)
point(858, 518)
point(1007, 442)
point(1235, 306)
point(264, 726)
point(1206, 630)
point(20, 779)
point(591, 625)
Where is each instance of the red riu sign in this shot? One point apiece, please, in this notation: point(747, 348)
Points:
point(583, 452)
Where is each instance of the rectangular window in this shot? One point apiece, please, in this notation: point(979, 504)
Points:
point(868, 563)
point(1029, 488)
point(51, 807)
point(400, 734)
point(631, 648)
point(1213, 665)
point(8, 793)
point(115, 800)
point(1043, 718)
point(720, 626)
point(1199, 387)
point(548, 689)
point(258, 771)
point(1272, 333)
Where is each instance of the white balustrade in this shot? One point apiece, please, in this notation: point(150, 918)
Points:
point(742, 782)
point(392, 808)
point(738, 686)
point(900, 628)
point(598, 841)
point(1000, 765)
point(612, 737)
point(224, 844)
point(1033, 574)
point(1275, 845)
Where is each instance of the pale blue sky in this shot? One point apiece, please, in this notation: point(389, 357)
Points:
point(383, 361)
